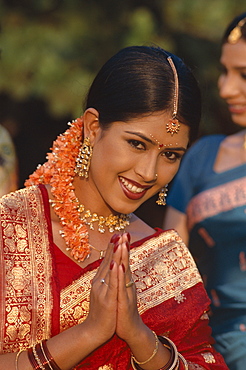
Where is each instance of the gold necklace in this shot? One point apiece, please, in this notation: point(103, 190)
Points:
point(112, 222)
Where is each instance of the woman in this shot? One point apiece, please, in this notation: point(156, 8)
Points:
point(69, 273)
point(8, 165)
point(207, 205)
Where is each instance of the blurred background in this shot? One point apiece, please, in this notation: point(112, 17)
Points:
point(51, 50)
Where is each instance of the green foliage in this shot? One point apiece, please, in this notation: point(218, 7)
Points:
point(51, 49)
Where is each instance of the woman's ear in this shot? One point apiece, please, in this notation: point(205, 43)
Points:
point(91, 124)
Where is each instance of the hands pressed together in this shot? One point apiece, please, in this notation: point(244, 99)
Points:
point(113, 302)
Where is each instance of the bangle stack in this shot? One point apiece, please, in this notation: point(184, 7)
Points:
point(40, 357)
point(173, 363)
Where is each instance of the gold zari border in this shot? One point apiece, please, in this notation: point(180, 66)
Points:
point(162, 269)
point(26, 270)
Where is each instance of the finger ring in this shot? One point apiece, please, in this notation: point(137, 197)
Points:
point(102, 281)
point(128, 285)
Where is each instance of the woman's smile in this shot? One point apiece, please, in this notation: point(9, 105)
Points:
point(132, 189)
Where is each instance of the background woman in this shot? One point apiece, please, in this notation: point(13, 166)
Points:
point(75, 296)
point(207, 205)
point(8, 163)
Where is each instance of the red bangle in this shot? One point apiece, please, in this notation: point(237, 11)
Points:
point(48, 356)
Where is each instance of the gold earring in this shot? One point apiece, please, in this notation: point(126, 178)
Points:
point(161, 201)
point(83, 160)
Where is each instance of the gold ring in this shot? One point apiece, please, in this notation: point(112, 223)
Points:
point(128, 285)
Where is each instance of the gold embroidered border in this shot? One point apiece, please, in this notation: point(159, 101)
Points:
point(25, 292)
point(162, 269)
point(219, 199)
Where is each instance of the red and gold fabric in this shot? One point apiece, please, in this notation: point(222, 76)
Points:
point(43, 292)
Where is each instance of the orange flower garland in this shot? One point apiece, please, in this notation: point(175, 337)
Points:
point(58, 171)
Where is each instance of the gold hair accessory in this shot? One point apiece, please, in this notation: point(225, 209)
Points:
point(83, 160)
point(153, 354)
point(173, 126)
point(161, 201)
point(236, 33)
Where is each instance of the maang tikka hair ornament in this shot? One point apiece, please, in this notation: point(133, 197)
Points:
point(236, 33)
point(161, 201)
point(84, 159)
point(173, 125)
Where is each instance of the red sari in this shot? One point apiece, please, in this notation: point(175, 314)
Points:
point(43, 292)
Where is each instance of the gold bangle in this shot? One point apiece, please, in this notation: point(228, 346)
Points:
point(153, 354)
point(184, 361)
point(17, 358)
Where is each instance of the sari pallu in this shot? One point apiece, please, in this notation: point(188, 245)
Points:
point(35, 305)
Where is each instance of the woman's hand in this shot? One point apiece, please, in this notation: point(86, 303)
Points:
point(129, 322)
point(103, 300)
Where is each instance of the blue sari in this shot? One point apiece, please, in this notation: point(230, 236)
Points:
point(215, 204)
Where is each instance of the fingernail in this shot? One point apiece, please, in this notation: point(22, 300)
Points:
point(116, 247)
point(128, 237)
point(115, 238)
point(123, 267)
point(111, 265)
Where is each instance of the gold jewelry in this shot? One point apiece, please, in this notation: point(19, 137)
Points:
point(184, 361)
point(173, 362)
point(236, 33)
point(45, 356)
point(101, 251)
point(59, 172)
point(173, 126)
point(83, 160)
point(17, 358)
point(112, 222)
point(153, 354)
point(128, 285)
point(161, 201)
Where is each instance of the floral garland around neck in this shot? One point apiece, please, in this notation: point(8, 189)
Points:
point(58, 172)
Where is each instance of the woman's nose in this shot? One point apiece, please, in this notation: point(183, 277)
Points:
point(146, 168)
point(228, 86)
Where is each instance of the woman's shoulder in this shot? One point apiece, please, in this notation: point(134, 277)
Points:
point(15, 198)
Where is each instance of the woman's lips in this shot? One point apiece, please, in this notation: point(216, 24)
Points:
point(237, 108)
point(132, 189)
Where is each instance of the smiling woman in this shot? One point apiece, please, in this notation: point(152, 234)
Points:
point(82, 297)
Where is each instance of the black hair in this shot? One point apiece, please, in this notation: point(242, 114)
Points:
point(232, 25)
point(139, 80)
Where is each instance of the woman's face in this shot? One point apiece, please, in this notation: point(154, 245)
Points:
point(232, 81)
point(133, 160)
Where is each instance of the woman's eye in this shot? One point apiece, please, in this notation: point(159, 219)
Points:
point(172, 156)
point(137, 144)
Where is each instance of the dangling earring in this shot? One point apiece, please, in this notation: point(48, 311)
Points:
point(83, 160)
point(161, 201)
